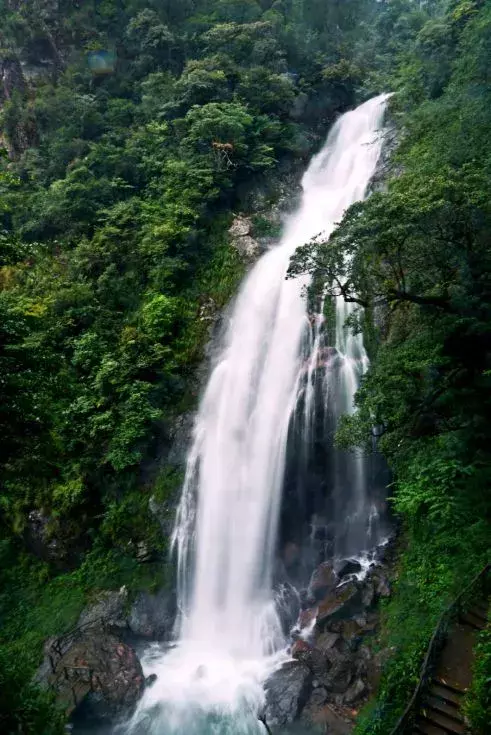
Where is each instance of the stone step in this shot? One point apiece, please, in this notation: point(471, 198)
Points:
point(447, 724)
point(469, 619)
point(479, 613)
point(446, 709)
point(423, 727)
point(446, 693)
point(449, 685)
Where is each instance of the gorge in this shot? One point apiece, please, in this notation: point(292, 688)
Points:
point(154, 235)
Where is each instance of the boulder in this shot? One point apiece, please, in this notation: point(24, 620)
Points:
point(306, 617)
point(312, 657)
point(117, 680)
point(355, 692)
point(382, 584)
point(323, 580)
point(287, 692)
point(241, 240)
point(339, 603)
point(340, 673)
point(93, 674)
point(348, 566)
point(318, 697)
point(326, 641)
point(241, 226)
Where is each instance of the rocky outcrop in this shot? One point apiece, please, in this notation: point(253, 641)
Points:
point(11, 78)
point(241, 240)
point(333, 630)
point(117, 681)
point(110, 608)
point(148, 615)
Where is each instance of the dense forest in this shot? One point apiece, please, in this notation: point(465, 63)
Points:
point(130, 130)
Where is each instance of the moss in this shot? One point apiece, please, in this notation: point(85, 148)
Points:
point(264, 227)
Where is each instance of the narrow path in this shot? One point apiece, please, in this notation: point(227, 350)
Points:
point(441, 711)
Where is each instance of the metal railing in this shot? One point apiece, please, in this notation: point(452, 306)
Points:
point(448, 616)
point(73, 675)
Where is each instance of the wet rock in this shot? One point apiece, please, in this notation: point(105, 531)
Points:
point(341, 672)
point(307, 617)
point(287, 692)
point(368, 596)
point(312, 657)
point(150, 680)
point(180, 435)
point(349, 566)
point(323, 580)
point(318, 697)
point(363, 661)
point(288, 606)
point(355, 692)
point(339, 603)
point(300, 647)
point(350, 633)
point(152, 616)
point(382, 584)
point(326, 641)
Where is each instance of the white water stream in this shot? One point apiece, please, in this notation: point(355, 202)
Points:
point(230, 638)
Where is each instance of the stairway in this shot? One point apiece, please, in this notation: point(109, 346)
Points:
point(441, 713)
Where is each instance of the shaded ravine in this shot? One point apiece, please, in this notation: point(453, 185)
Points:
point(274, 362)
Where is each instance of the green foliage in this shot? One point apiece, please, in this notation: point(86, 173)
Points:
point(478, 699)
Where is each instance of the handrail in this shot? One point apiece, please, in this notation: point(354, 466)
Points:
point(444, 618)
point(75, 633)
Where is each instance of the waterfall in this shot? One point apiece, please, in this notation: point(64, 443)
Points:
point(230, 637)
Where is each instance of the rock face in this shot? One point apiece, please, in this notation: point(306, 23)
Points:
point(50, 542)
point(287, 692)
point(152, 616)
point(110, 607)
point(241, 240)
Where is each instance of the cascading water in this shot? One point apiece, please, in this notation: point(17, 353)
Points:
point(230, 636)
